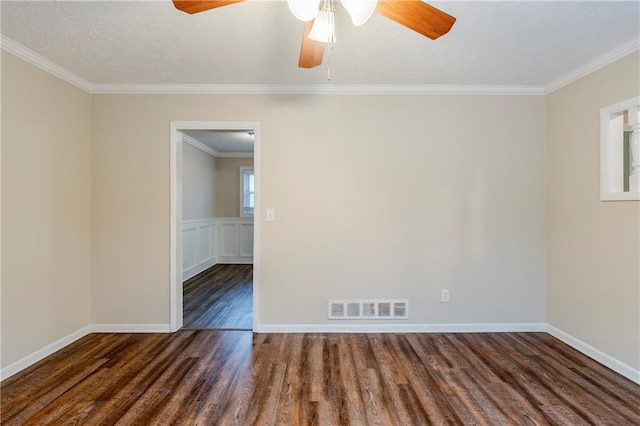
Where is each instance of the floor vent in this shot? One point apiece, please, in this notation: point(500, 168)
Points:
point(368, 309)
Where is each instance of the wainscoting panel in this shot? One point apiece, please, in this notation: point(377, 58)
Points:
point(198, 246)
point(236, 240)
point(189, 247)
point(228, 239)
point(245, 235)
point(206, 242)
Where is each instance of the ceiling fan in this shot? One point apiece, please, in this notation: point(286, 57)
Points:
point(318, 15)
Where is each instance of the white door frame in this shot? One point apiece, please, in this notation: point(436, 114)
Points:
point(175, 217)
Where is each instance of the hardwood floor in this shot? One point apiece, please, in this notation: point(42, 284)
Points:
point(220, 297)
point(205, 377)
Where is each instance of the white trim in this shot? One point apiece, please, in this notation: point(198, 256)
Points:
point(596, 354)
point(342, 328)
point(43, 63)
point(325, 89)
point(400, 328)
point(44, 352)
point(526, 327)
point(175, 215)
point(586, 349)
point(193, 271)
point(257, 201)
point(130, 328)
point(196, 222)
point(620, 196)
point(199, 145)
point(595, 64)
point(230, 260)
point(175, 227)
point(234, 155)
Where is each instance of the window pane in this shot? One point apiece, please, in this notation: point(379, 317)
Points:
point(248, 189)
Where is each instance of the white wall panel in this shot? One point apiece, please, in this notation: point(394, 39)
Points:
point(228, 240)
point(198, 246)
point(236, 240)
point(205, 243)
point(245, 236)
point(201, 249)
point(190, 248)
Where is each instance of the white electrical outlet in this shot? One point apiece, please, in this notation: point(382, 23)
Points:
point(444, 295)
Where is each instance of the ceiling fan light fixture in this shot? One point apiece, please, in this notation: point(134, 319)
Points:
point(360, 10)
point(304, 10)
point(324, 29)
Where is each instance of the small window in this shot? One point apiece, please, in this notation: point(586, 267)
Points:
point(247, 191)
point(620, 151)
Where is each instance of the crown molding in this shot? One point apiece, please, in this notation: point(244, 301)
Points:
point(235, 155)
point(324, 89)
point(214, 153)
point(43, 63)
point(199, 145)
point(600, 62)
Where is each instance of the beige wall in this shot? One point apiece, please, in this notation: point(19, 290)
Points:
point(593, 246)
point(198, 184)
point(228, 185)
point(46, 209)
point(440, 192)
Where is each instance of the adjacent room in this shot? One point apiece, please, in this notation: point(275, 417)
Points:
point(329, 212)
point(218, 195)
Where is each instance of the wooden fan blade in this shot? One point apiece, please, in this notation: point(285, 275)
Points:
point(418, 16)
point(311, 51)
point(200, 6)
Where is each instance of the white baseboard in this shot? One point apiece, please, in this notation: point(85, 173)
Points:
point(192, 272)
point(599, 356)
point(603, 358)
point(40, 354)
point(400, 328)
point(341, 328)
point(235, 260)
point(499, 327)
point(130, 328)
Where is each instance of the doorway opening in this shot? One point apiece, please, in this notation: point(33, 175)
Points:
point(214, 259)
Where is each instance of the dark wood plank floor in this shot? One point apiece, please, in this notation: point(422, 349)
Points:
point(205, 377)
point(220, 297)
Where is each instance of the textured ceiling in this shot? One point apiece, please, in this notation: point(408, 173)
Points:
point(257, 42)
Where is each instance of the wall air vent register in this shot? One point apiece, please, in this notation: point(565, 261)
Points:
point(368, 309)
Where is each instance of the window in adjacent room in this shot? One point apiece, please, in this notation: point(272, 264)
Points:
point(620, 151)
point(247, 191)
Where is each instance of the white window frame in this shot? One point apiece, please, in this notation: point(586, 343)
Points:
point(612, 129)
point(243, 169)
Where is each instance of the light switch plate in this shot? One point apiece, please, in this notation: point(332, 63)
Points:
point(271, 215)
